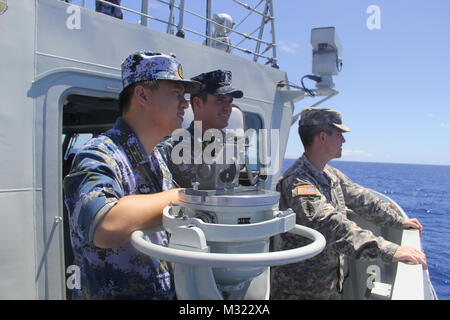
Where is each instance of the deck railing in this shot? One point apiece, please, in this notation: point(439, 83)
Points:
point(261, 46)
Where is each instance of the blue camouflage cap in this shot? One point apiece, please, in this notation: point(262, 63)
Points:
point(218, 82)
point(146, 65)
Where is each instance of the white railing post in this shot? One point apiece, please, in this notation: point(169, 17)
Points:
point(180, 27)
point(274, 42)
point(208, 23)
point(170, 24)
point(144, 11)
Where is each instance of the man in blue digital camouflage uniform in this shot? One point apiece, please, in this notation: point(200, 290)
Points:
point(212, 107)
point(115, 187)
point(319, 195)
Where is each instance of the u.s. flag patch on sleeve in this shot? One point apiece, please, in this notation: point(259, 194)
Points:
point(306, 190)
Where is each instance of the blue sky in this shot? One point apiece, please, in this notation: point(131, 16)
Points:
point(395, 80)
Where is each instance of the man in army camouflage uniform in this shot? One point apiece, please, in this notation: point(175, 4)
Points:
point(115, 187)
point(319, 195)
point(212, 106)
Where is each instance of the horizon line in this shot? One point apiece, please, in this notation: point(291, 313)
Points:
point(382, 162)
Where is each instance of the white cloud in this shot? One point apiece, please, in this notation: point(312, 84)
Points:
point(431, 115)
point(445, 125)
point(289, 47)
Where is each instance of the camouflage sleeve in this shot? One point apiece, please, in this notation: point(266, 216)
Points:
point(90, 190)
point(165, 149)
point(365, 203)
point(342, 234)
point(183, 174)
point(163, 173)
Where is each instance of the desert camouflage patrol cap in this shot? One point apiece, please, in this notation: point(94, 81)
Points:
point(318, 116)
point(146, 65)
point(217, 82)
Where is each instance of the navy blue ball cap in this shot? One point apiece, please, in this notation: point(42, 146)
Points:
point(217, 82)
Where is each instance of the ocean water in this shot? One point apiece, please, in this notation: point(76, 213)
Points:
point(423, 191)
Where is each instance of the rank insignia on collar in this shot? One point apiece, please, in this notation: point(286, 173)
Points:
point(307, 190)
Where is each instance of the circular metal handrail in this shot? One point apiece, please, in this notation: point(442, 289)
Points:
point(275, 258)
